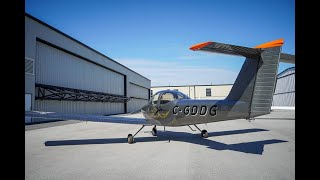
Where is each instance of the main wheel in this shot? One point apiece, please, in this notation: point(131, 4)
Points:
point(204, 133)
point(154, 131)
point(130, 138)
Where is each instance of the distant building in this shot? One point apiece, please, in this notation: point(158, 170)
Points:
point(199, 91)
point(284, 94)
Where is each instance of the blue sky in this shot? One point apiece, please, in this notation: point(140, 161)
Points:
point(153, 37)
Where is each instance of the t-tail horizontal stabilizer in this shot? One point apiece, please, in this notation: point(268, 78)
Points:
point(229, 49)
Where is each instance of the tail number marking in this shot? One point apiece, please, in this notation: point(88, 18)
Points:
point(194, 110)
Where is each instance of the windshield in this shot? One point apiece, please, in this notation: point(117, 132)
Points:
point(167, 96)
point(172, 95)
point(155, 98)
point(182, 96)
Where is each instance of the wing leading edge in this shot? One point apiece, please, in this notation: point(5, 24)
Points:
point(82, 117)
point(229, 49)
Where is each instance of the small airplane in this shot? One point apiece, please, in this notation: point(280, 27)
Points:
point(250, 96)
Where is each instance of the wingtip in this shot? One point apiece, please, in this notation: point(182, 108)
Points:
point(274, 43)
point(200, 45)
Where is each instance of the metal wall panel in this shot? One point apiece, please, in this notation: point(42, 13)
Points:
point(135, 104)
point(138, 91)
point(284, 94)
point(287, 99)
point(286, 84)
point(36, 30)
point(285, 81)
point(58, 68)
point(79, 107)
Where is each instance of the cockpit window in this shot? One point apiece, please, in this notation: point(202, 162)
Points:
point(182, 96)
point(166, 97)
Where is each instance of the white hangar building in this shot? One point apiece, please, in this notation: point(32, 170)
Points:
point(219, 91)
point(66, 76)
point(283, 97)
point(284, 94)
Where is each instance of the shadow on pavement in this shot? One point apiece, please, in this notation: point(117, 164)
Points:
point(255, 147)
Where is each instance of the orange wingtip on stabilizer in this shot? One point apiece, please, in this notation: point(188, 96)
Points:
point(275, 43)
point(200, 45)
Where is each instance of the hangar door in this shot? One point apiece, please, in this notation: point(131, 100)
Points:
point(139, 96)
point(57, 67)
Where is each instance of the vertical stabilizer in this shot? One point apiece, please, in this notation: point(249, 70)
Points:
point(256, 82)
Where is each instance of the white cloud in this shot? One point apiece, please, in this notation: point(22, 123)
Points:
point(200, 55)
point(178, 73)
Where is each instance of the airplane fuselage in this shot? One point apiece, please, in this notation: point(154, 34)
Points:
point(181, 112)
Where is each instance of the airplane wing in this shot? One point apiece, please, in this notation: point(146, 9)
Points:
point(95, 118)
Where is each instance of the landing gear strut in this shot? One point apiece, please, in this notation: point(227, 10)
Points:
point(154, 130)
point(130, 137)
point(204, 132)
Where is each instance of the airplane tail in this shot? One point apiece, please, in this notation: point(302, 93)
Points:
point(256, 81)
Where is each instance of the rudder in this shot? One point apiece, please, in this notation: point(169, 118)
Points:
point(256, 82)
point(265, 82)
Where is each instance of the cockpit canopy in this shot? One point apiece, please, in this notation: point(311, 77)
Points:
point(167, 96)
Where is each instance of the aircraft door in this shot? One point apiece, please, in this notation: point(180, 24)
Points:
point(155, 102)
point(163, 106)
point(154, 105)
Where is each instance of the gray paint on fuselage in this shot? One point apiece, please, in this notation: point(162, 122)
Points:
point(181, 111)
point(221, 110)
